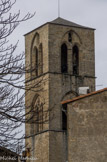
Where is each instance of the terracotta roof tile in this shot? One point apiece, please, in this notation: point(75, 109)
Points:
point(83, 96)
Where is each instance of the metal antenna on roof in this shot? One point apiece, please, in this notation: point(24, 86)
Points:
point(58, 8)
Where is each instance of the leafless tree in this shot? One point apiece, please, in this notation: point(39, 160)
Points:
point(12, 88)
point(11, 75)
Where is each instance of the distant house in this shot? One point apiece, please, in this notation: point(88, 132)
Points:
point(8, 155)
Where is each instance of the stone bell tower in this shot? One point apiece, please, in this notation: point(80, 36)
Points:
point(61, 58)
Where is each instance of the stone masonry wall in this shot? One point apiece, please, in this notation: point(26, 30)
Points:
point(87, 129)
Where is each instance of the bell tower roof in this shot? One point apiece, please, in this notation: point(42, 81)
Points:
point(61, 21)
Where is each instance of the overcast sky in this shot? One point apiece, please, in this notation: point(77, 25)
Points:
point(91, 13)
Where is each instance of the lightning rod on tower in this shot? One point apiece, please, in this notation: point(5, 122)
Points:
point(58, 8)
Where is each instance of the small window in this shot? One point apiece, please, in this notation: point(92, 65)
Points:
point(64, 117)
point(69, 37)
point(75, 60)
point(64, 67)
point(41, 118)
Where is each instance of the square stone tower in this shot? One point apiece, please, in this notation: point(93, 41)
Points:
point(60, 58)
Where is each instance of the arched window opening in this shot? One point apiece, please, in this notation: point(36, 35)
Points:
point(75, 60)
point(64, 117)
point(69, 37)
point(37, 61)
point(37, 115)
point(35, 55)
point(34, 62)
point(64, 67)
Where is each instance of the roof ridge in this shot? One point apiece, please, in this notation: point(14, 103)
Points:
point(62, 21)
point(83, 96)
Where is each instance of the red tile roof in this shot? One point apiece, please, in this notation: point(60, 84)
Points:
point(83, 96)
